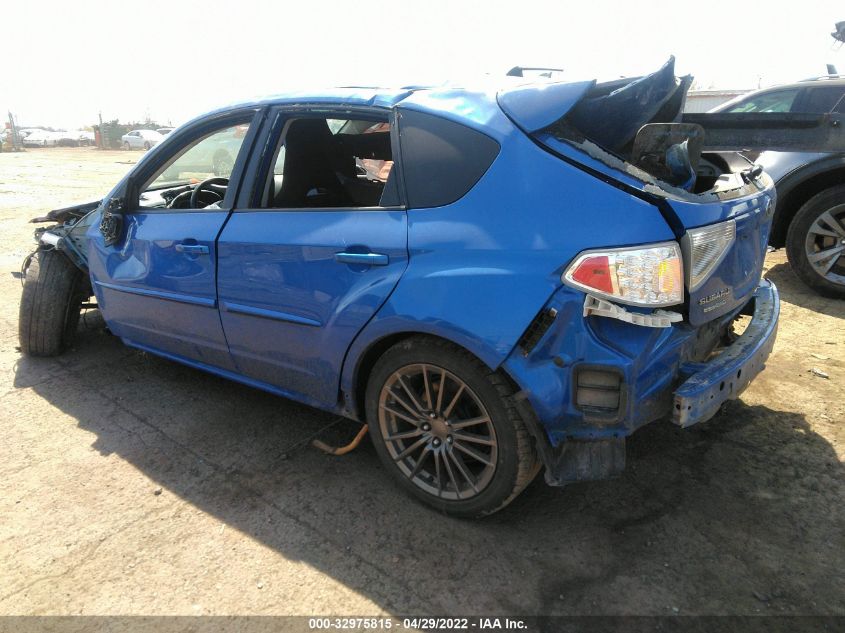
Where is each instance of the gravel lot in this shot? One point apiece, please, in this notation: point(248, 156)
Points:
point(133, 485)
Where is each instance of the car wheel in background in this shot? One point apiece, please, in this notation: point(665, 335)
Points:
point(815, 242)
point(447, 429)
point(146, 146)
point(126, 145)
point(51, 301)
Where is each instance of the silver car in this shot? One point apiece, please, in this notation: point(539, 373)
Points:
point(141, 139)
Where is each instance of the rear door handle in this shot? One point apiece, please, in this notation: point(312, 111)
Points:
point(193, 249)
point(367, 259)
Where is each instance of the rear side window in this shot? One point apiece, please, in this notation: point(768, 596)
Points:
point(333, 163)
point(441, 160)
point(820, 100)
point(775, 101)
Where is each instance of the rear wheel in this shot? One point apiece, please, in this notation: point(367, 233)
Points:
point(447, 429)
point(51, 302)
point(815, 242)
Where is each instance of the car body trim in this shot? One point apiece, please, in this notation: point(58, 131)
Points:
point(239, 308)
point(225, 373)
point(160, 294)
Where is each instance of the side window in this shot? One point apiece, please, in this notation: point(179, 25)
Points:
point(820, 100)
point(775, 101)
point(332, 162)
point(441, 160)
point(209, 157)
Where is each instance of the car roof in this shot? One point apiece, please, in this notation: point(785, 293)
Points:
point(804, 83)
point(475, 104)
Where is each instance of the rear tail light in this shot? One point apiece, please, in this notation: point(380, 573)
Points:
point(704, 248)
point(644, 276)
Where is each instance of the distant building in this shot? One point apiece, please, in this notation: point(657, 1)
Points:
point(704, 100)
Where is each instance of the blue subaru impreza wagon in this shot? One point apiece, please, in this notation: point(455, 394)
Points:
point(496, 279)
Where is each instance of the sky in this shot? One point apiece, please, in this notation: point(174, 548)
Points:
point(65, 62)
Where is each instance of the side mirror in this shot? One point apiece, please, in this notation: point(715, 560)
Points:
point(111, 224)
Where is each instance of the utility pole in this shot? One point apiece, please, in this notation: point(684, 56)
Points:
point(101, 143)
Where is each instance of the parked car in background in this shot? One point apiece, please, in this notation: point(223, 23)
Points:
point(75, 138)
point(520, 291)
point(164, 131)
point(41, 138)
point(141, 139)
point(809, 218)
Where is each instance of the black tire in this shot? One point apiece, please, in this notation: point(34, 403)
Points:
point(146, 146)
point(50, 304)
point(797, 239)
point(516, 462)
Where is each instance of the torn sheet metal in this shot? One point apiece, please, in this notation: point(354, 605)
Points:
point(612, 119)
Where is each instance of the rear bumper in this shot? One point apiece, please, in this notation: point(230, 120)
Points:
point(661, 371)
point(700, 396)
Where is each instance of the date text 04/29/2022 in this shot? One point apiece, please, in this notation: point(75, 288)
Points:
point(417, 624)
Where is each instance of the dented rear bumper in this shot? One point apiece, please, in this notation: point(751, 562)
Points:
point(724, 378)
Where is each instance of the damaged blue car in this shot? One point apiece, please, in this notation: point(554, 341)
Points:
point(498, 280)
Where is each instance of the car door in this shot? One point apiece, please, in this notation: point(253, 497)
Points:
point(157, 286)
point(303, 265)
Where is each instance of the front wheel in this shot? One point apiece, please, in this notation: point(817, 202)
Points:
point(51, 302)
point(126, 146)
point(815, 242)
point(447, 428)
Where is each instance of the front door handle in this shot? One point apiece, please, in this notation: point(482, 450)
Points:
point(192, 249)
point(367, 259)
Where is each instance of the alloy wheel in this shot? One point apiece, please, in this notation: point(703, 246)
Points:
point(437, 431)
point(825, 244)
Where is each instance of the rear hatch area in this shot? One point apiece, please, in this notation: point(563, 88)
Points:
point(629, 133)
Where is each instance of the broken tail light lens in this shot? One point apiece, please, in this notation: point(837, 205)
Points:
point(645, 276)
point(704, 248)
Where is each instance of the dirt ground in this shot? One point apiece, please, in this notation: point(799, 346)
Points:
point(133, 485)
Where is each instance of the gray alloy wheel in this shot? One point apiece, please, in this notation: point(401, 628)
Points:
point(825, 244)
point(815, 242)
point(437, 431)
point(447, 428)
